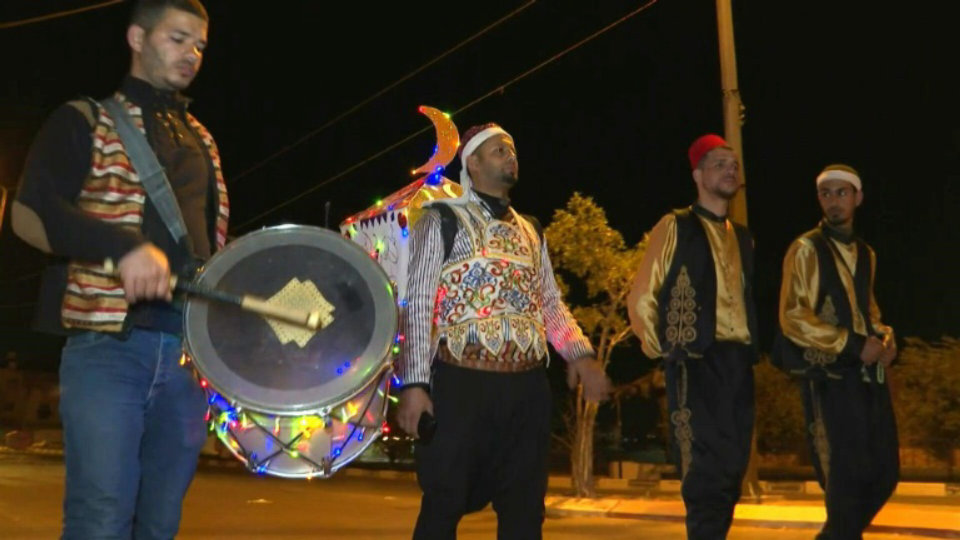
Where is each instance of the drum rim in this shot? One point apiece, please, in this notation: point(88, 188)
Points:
point(385, 313)
point(338, 463)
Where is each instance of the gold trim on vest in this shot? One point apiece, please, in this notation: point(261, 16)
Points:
point(682, 312)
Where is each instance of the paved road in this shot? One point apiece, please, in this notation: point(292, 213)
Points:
point(231, 504)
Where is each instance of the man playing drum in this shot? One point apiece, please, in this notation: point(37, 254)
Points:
point(133, 419)
point(482, 305)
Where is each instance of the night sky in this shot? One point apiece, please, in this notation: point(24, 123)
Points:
point(869, 86)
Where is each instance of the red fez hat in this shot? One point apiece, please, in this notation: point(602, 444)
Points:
point(702, 145)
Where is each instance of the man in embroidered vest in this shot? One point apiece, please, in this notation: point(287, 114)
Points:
point(691, 304)
point(482, 305)
point(133, 418)
point(832, 338)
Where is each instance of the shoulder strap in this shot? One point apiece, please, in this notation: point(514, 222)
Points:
point(449, 225)
point(152, 175)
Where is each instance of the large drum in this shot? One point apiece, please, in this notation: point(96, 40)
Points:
point(286, 400)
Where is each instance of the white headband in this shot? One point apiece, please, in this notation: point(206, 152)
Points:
point(474, 143)
point(840, 174)
point(466, 184)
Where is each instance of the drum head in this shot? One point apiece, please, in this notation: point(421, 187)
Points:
point(251, 363)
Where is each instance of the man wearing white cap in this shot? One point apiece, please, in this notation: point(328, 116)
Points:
point(482, 306)
point(832, 337)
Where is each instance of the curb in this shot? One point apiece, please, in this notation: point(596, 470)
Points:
point(771, 488)
point(747, 515)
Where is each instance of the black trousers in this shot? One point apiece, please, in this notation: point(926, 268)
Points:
point(853, 441)
point(711, 406)
point(491, 442)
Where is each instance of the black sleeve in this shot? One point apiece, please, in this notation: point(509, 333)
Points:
point(57, 165)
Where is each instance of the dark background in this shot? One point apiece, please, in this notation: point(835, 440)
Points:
point(823, 81)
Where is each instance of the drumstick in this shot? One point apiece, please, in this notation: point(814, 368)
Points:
point(247, 302)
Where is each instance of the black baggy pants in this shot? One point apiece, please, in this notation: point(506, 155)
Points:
point(490, 445)
point(852, 434)
point(711, 405)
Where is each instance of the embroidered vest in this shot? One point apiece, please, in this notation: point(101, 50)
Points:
point(493, 297)
point(833, 307)
point(112, 192)
point(688, 299)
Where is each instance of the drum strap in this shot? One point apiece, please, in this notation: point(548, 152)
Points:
point(151, 173)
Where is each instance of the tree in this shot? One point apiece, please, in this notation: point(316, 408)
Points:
point(780, 424)
point(583, 245)
point(926, 397)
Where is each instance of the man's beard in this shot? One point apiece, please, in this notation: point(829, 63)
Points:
point(835, 218)
point(509, 179)
point(724, 193)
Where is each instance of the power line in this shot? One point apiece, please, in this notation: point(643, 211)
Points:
point(234, 179)
point(558, 56)
point(333, 178)
point(57, 15)
point(496, 90)
point(383, 91)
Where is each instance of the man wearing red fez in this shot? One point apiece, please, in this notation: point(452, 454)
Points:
point(482, 306)
point(832, 338)
point(691, 304)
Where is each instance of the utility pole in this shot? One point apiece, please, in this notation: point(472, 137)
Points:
point(732, 105)
point(3, 204)
point(733, 110)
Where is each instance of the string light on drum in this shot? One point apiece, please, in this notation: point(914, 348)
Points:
point(295, 437)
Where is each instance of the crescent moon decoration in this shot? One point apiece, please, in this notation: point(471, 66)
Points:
point(448, 140)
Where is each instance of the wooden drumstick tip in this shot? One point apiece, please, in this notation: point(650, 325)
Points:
point(313, 320)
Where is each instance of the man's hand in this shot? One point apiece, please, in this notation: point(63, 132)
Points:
point(871, 350)
point(589, 372)
point(413, 401)
point(889, 352)
point(145, 273)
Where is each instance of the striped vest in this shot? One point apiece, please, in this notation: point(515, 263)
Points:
point(112, 192)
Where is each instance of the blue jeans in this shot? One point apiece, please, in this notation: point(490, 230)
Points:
point(133, 427)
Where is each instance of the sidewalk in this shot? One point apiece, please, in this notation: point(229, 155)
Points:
point(928, 520)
